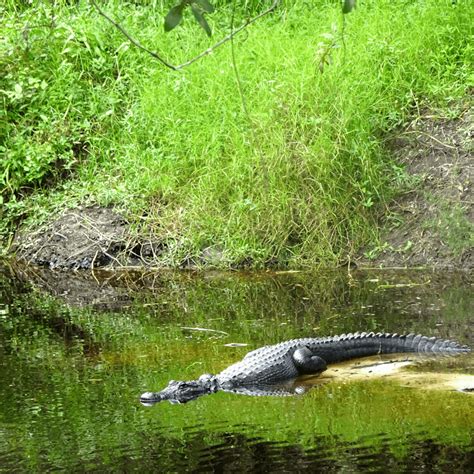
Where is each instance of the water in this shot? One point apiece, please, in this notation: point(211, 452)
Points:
point(77, 350)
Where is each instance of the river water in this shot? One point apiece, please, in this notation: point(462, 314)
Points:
point(77, 350)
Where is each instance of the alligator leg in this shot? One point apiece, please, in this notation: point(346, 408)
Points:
point(307, 363)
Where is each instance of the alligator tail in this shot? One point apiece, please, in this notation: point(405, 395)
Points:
point(419, 343)
point(365, 344)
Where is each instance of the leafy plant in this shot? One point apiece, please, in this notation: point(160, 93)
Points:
point(198, 7)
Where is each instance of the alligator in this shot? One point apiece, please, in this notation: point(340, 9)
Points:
point(272, 369)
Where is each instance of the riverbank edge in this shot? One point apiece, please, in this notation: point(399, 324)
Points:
point(427, 226)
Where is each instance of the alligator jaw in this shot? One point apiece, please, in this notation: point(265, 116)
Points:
point(181, 391)
point(150, 398)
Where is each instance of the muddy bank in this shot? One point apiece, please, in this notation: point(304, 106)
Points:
point(430, 225)
point(83, 238)
point(94, 237)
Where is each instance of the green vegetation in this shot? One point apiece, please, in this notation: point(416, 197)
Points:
point(88, 118)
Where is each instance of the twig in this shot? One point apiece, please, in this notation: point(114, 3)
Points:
point(97, 244)
point(234, 64)
point(132, 40)
point(410, 132)
point(402, 285)
point(205, 330)
point(195, 58)
point(93, 260)
point(230, 36)
point(93, 272)
point(99, 234)
point(46, 244)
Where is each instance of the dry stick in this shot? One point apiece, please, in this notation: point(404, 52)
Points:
point(100, 234)
point(133, 41)
point(234, 64)
point(97, 244)
point(420, 132)
point(231, 35)
point(93, 261)
point(93, 272)
point(200, 55)
point(205, 330)
point(46, 244)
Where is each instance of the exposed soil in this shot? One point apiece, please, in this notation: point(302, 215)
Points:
point(84, 238)
point(429, 226)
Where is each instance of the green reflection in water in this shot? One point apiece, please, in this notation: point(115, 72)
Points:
point(75, 353)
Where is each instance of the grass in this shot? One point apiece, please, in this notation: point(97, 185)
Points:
point(298, 180)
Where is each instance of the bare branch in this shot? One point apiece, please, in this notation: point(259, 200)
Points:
point(200, 55)
point(230, 35)
point(132, 40)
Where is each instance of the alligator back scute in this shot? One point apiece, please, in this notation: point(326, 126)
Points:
point(264, 365)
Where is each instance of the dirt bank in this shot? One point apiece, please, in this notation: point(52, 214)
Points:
point(429, 225)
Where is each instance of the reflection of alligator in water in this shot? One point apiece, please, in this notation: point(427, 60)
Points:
point(272, 369)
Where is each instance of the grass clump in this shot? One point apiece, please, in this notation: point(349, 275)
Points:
point(296, 180)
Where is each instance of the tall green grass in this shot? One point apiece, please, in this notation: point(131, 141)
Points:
point(297, 180)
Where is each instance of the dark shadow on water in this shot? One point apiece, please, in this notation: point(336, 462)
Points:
point(239, 452)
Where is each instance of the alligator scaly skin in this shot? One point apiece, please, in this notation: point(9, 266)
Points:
point(275, 363)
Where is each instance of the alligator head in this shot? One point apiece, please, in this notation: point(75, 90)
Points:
point(182, 391)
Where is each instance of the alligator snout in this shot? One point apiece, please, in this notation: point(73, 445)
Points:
point(179, 391)
point(150, 398)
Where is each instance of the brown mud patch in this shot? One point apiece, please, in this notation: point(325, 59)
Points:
point(85, 238)
point(432, 224)
point(79, 239)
